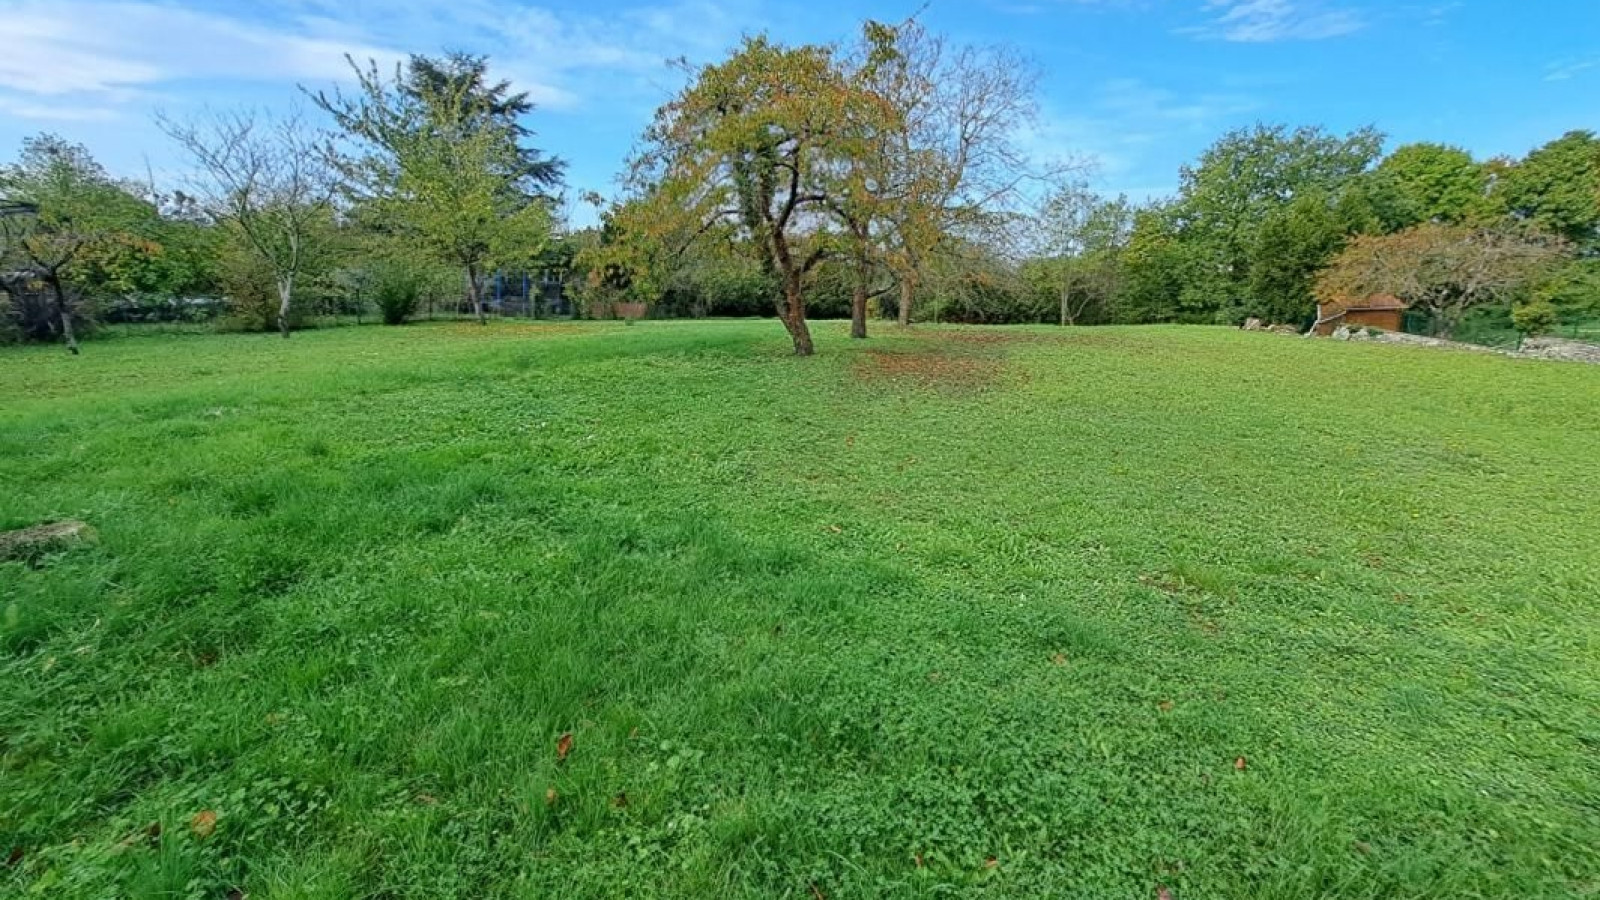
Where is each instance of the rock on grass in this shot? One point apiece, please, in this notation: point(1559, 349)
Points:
point(51, 537)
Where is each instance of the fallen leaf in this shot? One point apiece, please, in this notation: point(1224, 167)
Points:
point(918, 858)
point(816, 893)
point(236, 894)
point(1238, 764)
point(991, 862)
point(550, 797)
point(1059, 659)
point(1165, 706)
point(620, 800)
point(563, 746)
point(1362, 847)
point(1162, 893)
point(427, 799)
point(835, 529)
point(633, 735)
point(153, 832)
point(204, 824)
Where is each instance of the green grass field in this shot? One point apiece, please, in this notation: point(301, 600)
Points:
point(1011, 612)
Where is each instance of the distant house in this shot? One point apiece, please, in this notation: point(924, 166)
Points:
point(1381, 311)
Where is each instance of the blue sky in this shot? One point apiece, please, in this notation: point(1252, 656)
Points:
point(1141, 86)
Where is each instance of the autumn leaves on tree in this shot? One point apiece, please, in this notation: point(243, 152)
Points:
point(795, 155)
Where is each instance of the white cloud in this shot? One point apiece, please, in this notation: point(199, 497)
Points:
point(55, 112)
point(1565, 70)
point(99, 52)
point(1266, 21)
point(562, 57)
point(109, 48)
point(1129, 129)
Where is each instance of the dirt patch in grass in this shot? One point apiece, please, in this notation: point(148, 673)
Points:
point(934, 367)
point(950, 360)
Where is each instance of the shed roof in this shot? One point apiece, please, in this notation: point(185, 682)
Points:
point(1380, 301)
point(1384, 302)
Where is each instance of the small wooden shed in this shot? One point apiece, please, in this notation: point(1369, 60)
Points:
point(1383, 311)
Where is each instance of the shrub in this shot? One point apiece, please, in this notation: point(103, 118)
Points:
point(397, 290)
point(1535, 317)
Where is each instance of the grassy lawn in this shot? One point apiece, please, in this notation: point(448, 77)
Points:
point(1015, 612)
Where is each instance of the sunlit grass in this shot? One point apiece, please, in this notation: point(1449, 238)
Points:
point(1050, 613)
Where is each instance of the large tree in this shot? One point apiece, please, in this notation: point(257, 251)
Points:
point(266, 181)
point(1293, 242)
point(1081, 238)
point(1249, 172)
point(1426, 182)
point(58, 209)
point(1442, 269)
point(952, 167)
point(1253, 194)
point(1166, 277)
point(440, 158)
point(761, 144)
point(1557, 188)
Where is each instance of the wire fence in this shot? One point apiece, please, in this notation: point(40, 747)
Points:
point(1492, 327)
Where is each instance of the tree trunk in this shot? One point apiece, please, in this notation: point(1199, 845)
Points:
point(285, 292)
point(793, 314)
point(908, 290)
point(476, 289)
point(858, 304)
point(1066, 308)
point(65, 312)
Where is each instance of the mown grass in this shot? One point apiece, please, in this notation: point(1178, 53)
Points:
point(1013, 612)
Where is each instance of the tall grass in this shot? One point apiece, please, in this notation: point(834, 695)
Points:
point(1035, 612)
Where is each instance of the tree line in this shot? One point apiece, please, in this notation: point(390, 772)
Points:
point(883, 175)
point(880, 178)
point(425, 179)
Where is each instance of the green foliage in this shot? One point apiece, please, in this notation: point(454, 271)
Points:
point(1425, 182)
point(1024, 597)
point(441, 163)
point(1249, 173)
point(1294, 242)
point(62, 220)
point(1169, 278)
point(1573, 290)
point(1557, 188)
point(1255, 217)
point(266, 182)
point(1535, 317)
point(397, 290)
point(248, 283)
point(975, 287)
point(1078, 272)
point(250, 280)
